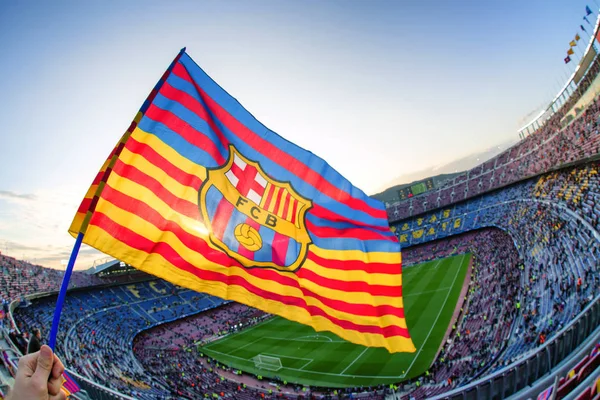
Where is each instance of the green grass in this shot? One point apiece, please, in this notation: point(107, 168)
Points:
point(313, 358)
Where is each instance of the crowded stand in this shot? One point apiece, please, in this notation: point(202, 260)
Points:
point(551, 146)
point(19, 278)
point(553, 220)
point(100, 325)
point(484, 325)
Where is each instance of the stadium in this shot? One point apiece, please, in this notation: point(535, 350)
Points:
point(501, 290)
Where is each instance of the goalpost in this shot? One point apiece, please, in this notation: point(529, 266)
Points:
point(267, 362)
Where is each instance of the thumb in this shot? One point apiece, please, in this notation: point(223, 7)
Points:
point(44, 363)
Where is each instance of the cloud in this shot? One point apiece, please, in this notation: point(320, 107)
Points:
point(34, 227)
point(7, 194)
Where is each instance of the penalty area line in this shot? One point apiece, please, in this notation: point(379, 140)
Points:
point(356, 359)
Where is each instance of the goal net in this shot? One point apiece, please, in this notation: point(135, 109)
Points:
point(267, 362)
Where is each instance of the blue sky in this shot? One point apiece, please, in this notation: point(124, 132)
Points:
point(377, 88)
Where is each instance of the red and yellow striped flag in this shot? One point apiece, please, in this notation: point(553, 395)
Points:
point(199, 193)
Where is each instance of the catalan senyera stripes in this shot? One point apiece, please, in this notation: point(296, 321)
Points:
point(145, 207)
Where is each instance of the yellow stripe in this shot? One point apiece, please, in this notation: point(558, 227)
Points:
point(169, 153)
point(75, 227)
point(394, 259)
point(290, 209)
point(362, 276)
point(273, 199)
point(170, 184)
point(263, 200)
point(142, 193)
point(279, 212)
point(154, 234)
point(157, 265)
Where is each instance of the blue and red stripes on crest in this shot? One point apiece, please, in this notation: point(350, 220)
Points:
point(277, 248)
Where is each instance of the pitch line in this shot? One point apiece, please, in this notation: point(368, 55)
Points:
point(227, 337)
point(246, 345)
point(302, 367)
point(428, 291)
point(282, 356)
point(313, 336)
point(436, 319)
point(310, 372)
point(359, 356)
point(300, 339)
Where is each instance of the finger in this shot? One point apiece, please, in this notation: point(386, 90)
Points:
point(60, 396)
point(27, 364)
point(44, 364)
point(58, 368)
point(54, 386)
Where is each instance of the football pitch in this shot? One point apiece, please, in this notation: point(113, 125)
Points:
point(297, 353)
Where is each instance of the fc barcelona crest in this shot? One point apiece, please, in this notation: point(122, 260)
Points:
point(256, 220)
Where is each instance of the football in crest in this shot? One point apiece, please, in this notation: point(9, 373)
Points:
point(248, 237)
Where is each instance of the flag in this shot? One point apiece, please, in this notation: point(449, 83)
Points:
point(570, 52)
point(587, 10)
point(200, 193)
point(577, 37)
point(546, 394)
point(573, 43)
point(582, 28)
point(567, 59)
point(69, 386)
point(586, 20)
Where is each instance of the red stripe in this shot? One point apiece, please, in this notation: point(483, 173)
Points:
point(270, 151)
point(185, 130)
point(286, 205)
point(294, 209)
point(98, 177)
point(269, 197)
point(278, 200)
point(355, 265)
point(367, 310)
point(159, 161)
point(196, 107)
point(144, 211)
point(221, 218)
point(324, 213)
point(85, 205)
point(132, 239)
point(350, 286)
point(346, 233)
point(152, 216)
point(279, 248)
point(178, 204)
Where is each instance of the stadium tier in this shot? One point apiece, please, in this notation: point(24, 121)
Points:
point(548, 148)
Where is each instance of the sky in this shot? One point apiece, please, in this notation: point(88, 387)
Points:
point(377, 88)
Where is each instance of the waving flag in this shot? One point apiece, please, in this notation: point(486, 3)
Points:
point(588, 11)
point(200, 193)
point(570, 52)
point(567, 59)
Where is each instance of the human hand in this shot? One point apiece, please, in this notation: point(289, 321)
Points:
point(39, 377)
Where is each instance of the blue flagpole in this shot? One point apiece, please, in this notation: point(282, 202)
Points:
point(63, 292)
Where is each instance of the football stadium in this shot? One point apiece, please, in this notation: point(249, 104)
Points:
point(240, 266)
